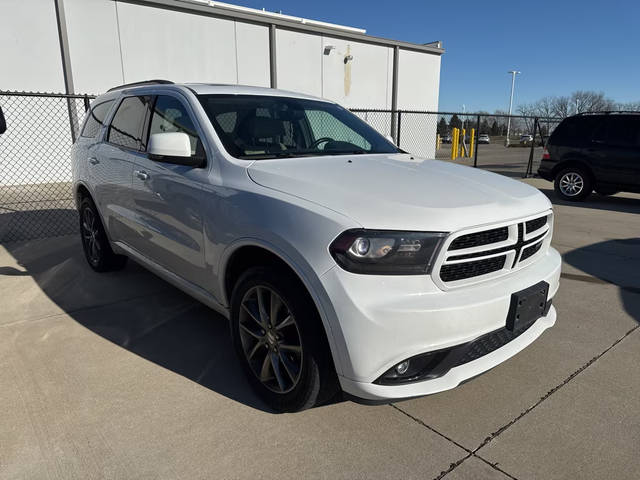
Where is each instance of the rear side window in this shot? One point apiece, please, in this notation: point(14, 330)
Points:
point(170, 115)
point(95, 119)
point(623, 131)
point(574, 131)
point(126, 128)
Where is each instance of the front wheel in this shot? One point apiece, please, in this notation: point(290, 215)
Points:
point(573, 184)
point(279, 339)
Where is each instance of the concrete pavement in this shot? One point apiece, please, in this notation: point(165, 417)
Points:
point(122, 376)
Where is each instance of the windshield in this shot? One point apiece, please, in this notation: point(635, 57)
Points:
point(262, 126)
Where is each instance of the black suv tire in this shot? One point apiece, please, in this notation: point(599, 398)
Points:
point(95, 243)
point(573, 184)
point(289, 367)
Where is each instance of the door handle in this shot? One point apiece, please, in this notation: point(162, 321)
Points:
point(94, 161)
point(141, 174)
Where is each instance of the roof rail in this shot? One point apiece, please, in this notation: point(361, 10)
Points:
point(144, 82)
point(608, 112)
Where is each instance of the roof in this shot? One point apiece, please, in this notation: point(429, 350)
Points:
point(287, 22)
point(213, 89)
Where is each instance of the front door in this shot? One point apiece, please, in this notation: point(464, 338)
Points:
point(168, 199)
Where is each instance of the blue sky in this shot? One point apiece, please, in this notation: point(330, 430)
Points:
point(560, 46)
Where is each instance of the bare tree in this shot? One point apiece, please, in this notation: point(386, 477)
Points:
point(589, 101)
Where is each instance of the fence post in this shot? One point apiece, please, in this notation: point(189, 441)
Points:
point(86, 103)
point(475, 152)
point(529, 171)
point(399, 126)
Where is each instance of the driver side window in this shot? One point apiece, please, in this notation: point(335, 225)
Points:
point(323, 124)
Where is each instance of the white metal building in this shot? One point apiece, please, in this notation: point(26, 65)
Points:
point(88, 46)
point(110, 42)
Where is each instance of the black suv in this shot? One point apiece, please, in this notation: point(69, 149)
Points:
point(594, 151)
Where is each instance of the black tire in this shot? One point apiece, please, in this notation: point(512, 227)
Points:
point(310, 382)
point(95, 243)
point(573, 184)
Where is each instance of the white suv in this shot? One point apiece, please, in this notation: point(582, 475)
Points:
point(341, 261)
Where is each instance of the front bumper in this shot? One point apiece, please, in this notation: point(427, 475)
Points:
point(383, 320)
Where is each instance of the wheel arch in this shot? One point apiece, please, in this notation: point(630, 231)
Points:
point(246, 253)
point(574, 162)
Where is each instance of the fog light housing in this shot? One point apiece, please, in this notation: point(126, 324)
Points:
point(420, 367)
point(402, 367)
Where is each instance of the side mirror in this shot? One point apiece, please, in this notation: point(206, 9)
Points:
point(173, 147)
point(3, 122)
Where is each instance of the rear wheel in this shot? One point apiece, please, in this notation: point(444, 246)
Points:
point(573, 184)
point(95, 243)
point(279, 339)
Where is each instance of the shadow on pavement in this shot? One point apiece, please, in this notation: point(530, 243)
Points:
point(137, 311)
point(614, 261)
point(613, 203)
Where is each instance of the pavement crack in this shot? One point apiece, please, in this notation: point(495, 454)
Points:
point(454, 465)
point(552, 391)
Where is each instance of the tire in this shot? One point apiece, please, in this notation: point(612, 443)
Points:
point(95, 243)
point(573, 184)
point(287, 362)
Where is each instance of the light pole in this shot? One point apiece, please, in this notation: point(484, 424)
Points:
point(513, 83)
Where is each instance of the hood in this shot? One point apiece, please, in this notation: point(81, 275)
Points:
point(401, 192)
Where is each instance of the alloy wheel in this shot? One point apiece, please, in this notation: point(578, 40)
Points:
point(571, 184)
point(270, 339)
point(90, 234)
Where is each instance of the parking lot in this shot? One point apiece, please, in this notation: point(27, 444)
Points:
point(121, 375)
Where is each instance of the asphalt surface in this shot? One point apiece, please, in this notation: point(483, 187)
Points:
point(121, 375)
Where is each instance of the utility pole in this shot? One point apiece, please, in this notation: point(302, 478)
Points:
point(513, 83)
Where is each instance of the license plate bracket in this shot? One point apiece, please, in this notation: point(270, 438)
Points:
point(527, 306)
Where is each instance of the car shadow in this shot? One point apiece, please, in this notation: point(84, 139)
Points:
point(615, 262)
point(138, 311)
point(614, 203)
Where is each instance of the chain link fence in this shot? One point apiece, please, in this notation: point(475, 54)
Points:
point(35, 183)
point(36, 200)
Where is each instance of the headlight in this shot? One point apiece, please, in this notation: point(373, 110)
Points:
point(386, 252)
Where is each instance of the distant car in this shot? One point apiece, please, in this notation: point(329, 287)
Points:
point(484, 138)
point(446, 138)
point(589, 152)
point(525, 139)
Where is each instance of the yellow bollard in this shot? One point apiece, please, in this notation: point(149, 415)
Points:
point(454, 144)
point(462, 148)
point(472, 142)
point(438, 141)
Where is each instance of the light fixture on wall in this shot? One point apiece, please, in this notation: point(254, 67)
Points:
point(328, 48)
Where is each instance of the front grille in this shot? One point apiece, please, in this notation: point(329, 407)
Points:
point(480, 238)
point(536, 224)
point(458, 271)
point(492, 251)
point(530, 251)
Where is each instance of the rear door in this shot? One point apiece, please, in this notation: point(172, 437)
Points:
point(169, 198)
point(111, 165)
point(621, 149)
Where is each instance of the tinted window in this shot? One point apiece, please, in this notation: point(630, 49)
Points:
point(126, 127)
point(170, 115)
point(95, 119)
point(255, 126)
point(574, 131)
point(623, 131)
